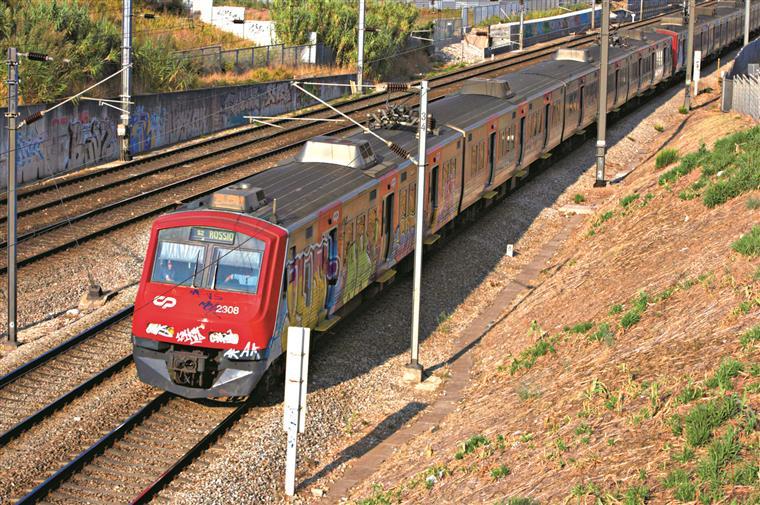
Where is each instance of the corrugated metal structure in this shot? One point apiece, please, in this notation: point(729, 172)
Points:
point(741, 86)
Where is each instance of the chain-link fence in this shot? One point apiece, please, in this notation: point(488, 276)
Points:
point(447, 31)
point(215, 59)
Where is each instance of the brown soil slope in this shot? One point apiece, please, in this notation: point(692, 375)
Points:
point(607, 412)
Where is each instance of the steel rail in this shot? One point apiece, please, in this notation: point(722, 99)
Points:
point(52, 184)
point(505, 63)
point(24, 260)
point(62, 400)
point(151, 490)
point(89, 454)
point(109, 439)
point(64, 346)
point(372, 100)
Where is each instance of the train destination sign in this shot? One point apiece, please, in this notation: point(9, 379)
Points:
point(212, 235)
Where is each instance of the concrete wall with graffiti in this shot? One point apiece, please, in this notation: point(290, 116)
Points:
point(84, 134)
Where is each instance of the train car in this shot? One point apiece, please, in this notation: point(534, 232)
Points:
point(300, 244)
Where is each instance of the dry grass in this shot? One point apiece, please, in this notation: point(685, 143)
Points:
point(256, 75)
point(602, 429)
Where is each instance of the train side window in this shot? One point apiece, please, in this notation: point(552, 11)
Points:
point(473, 159)
point(482, 158)
point(412, 198)
point(403, 203)
point(307, 280)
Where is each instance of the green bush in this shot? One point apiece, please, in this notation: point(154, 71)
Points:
point(729, 170)
point(749, 243)
point(704, 418)
point(62, 29)
point(750, 337)
point(723, 377)
point(626, 201)
point(335, 22)
point(666, 157)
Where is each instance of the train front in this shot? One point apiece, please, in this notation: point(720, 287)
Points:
point(206, 313)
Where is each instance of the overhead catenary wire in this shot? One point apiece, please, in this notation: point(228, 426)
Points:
point(400, 151)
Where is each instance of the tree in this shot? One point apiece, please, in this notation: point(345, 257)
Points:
point(336, 22)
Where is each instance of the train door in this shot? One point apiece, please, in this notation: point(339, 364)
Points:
point(387, 225)
point(433, 195)
point(522, 141)
point(491, 156)
point(331, 273)
point(546, 125)
point(617, 86)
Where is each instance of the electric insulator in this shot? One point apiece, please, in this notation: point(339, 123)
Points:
point(397, 86)
point(37, 56)
point(400, 151)
point(34, 117)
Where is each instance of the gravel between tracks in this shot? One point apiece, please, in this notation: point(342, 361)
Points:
point(47, 446)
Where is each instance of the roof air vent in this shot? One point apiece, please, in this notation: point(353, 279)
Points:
point(487, 87)
point(241, 197)
point(582, 55)
point(346, 152)
point(673, 20)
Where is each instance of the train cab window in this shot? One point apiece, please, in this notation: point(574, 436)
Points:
point(237, 270)
point(177, 263)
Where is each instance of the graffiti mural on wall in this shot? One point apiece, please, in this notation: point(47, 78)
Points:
point(62, 142)
point(84, 134)
point(145, 130)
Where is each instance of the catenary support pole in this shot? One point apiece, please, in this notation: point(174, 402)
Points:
point(126, 80)
point(692, 13)
point(360, 48)
point(601, 122)
point(522, 25)
point(641, 10)
point(12, 114)
point(593, 15)
point(414, 369)
point(746, 21)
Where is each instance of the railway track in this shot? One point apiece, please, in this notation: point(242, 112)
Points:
point(37, 389)
point(137, 459)
point(85, 206)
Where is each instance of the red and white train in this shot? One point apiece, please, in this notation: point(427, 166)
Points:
point(301, 243)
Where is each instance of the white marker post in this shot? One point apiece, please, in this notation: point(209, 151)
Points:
point(294, 418)
point(697, 68)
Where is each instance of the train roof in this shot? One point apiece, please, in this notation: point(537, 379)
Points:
point(300, 187)
point(561, 69)
point(465, 111)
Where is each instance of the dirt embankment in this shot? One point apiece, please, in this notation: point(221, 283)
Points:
point(630, 373)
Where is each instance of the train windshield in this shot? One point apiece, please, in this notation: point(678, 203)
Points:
point(237, 270)
point(178, 263)
point(208, 258)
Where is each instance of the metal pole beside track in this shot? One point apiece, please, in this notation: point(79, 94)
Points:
point(12, 114)
point(126, 80)
point(522, 25)
point(360, 48)
point(414, 369)
point(746, 21)
point(689, 55)
point(601, 122)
